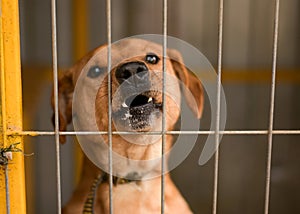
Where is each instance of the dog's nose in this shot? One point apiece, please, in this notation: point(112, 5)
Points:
point(137, 70)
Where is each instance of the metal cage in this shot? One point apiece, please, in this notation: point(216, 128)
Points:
point(11, 106)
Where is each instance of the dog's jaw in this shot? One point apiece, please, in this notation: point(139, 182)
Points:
point(139, 113)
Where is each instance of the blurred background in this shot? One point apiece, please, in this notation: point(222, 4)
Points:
point(247, 61)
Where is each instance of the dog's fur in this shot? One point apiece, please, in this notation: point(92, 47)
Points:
point(142, 196)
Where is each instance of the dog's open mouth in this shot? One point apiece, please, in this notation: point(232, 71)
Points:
point(140, 101)
point(140, 111)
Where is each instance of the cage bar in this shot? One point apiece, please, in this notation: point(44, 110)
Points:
point(272, 105)
point(11, 107)
point(56, 116)
point(108, 29)
point(164, 45)
point(218, 109)
point(202, 132)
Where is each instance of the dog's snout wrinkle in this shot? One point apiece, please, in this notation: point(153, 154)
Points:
point(134, 73)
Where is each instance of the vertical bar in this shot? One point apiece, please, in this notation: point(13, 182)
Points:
point(13, 201)
point(217, 134)
point(108, 26)
point(55, 83)
point(272, 101)
point(165, 28)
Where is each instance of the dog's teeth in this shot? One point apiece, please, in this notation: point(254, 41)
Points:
point(127, 115)
point(150, 99)
point(124, 105)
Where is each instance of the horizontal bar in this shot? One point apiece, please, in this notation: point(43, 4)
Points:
point(226, 132)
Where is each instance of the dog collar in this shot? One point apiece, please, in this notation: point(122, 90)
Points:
point(118, 180)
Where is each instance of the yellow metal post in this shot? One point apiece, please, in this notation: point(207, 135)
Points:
point(11, 105)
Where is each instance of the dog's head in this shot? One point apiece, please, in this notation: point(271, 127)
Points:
point(136, 88)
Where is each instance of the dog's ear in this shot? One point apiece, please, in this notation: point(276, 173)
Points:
point(65, 95)
point(190, 81)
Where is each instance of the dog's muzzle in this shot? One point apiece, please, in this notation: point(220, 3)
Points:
point(139, 108)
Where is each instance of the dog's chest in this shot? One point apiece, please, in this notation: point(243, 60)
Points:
point(134, 198)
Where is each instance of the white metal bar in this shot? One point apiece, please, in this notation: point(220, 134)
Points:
point(202, 132)
point(218, 111)
point(165, 28)
point(55, 83)
point(285, 132)
point(108, 28)
point(272, 104)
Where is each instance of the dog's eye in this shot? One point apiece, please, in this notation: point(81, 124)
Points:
point(95, 72)
point(152, 58)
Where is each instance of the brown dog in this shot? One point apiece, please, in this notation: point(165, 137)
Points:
point(136, 83)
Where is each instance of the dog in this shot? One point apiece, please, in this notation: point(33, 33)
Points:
point(137, 105)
